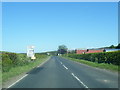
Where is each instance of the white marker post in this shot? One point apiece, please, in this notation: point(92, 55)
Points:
point(30, 52)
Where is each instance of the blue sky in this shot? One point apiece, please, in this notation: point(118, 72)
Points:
point(48, 25)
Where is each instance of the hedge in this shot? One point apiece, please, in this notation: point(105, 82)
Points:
point(104, 57)
point(10, 60)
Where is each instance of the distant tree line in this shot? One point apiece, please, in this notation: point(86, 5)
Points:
point(62, 49)
point(50, 53)
point(115, 47)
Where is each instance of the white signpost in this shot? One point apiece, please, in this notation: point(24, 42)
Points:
point(30, 52)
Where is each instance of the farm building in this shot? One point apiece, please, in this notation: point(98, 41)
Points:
point(89, 51)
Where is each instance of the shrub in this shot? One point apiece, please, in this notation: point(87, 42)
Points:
point(6, 63)
point(10, 60)
point(104, 57)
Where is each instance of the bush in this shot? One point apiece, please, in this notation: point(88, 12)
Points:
point(10, 60)
point(6, 63)
point(104, 57)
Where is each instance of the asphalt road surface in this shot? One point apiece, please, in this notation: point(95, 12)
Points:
point(61, 73)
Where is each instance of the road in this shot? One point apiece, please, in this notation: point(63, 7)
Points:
point(61, 73)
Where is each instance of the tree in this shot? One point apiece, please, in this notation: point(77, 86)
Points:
point(112, 46)
point(62, 49)
point(118, 47)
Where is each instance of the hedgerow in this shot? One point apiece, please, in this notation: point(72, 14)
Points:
point(104, 57)
point(10, 60)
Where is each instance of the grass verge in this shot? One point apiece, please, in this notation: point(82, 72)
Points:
point(22, 69)
point(110, 67)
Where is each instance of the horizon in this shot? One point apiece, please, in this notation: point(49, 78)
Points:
point(48, 25)
point(106, 48)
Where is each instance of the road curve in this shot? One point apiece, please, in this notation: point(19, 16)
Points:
point(63, 73)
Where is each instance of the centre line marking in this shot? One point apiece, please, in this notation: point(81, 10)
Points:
point(65, 67)
point(61, 62)
point(79, 80)
point(17, 81)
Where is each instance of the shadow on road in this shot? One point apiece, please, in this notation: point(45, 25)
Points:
point(35, 70)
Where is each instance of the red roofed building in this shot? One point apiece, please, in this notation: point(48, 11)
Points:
point(80, 51)
point(88, 51)
point(94, 51)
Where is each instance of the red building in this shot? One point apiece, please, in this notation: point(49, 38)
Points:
point(88, 51)
point(80, 51)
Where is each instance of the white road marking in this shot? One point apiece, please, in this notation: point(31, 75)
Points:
point(61, 62)
point(79, 80)
point(17, 81)
point(65, 67)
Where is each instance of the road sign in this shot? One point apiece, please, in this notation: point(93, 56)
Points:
point(30, 52)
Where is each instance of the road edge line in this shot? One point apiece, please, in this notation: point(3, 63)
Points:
point(17, 81)
point(27, 74)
